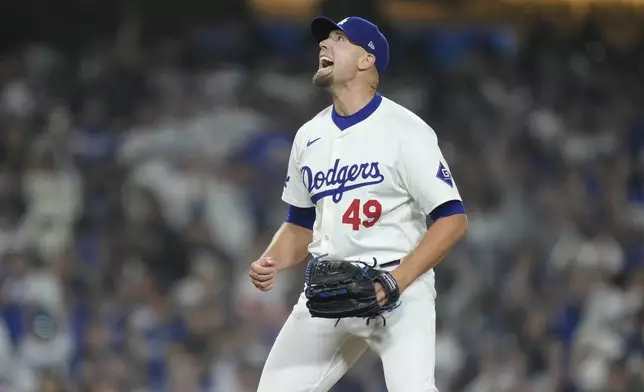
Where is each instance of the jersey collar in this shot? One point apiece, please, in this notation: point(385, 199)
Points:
point(344, 122)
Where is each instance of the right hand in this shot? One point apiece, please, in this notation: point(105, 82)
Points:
point(262, 273)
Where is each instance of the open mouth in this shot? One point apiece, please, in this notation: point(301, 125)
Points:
point(325, 62)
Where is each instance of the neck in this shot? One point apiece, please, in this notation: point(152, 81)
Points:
point(349, 99)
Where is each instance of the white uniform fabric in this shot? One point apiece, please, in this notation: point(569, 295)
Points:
point(372, 185)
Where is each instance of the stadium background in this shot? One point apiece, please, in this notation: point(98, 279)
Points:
point(143, 146)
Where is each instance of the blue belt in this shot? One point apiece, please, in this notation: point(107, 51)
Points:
point(385, 265)
point(390, 264)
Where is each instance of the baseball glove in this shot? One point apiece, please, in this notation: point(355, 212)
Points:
point(339, 289)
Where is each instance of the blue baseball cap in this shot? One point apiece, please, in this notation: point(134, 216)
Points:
point(360, 31)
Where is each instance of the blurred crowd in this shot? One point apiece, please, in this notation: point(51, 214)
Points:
point(140, 178)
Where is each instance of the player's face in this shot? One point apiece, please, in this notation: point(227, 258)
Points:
point(338, 60)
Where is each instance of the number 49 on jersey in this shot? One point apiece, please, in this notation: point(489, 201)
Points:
point(362, 214)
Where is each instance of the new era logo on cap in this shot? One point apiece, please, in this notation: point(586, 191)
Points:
point(360, 31)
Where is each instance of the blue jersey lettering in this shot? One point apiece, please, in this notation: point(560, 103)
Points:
point(340, 179)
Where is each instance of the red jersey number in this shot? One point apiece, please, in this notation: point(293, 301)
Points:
point(371, 210)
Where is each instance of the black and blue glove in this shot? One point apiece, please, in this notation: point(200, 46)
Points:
point(339, 289)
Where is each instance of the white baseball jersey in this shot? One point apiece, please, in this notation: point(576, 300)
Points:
point(372, 177)
point(372, 183)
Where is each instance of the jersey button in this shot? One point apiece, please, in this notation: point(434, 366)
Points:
point(326, 237)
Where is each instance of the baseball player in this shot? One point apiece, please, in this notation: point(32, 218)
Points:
point(362, 177)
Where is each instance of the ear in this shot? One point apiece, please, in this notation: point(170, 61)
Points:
point(366, 61)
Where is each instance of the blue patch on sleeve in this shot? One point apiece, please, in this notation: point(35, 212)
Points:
point(304, 217)
point(446, 209)
point(444, 175)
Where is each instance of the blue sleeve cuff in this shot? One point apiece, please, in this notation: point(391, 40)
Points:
point(446, 209)
point(304, 217)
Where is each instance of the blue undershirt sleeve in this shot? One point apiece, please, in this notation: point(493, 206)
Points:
point(304, 217)
point(446, 209)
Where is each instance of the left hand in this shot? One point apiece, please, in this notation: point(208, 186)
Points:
point(381, 294)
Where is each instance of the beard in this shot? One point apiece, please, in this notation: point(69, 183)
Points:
point(323, 78)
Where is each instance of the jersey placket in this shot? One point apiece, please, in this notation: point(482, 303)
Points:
point(329, 217)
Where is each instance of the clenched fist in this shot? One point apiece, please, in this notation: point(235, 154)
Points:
point(262, 273)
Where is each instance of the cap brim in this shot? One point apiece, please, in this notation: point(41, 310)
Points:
point(321, 27)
